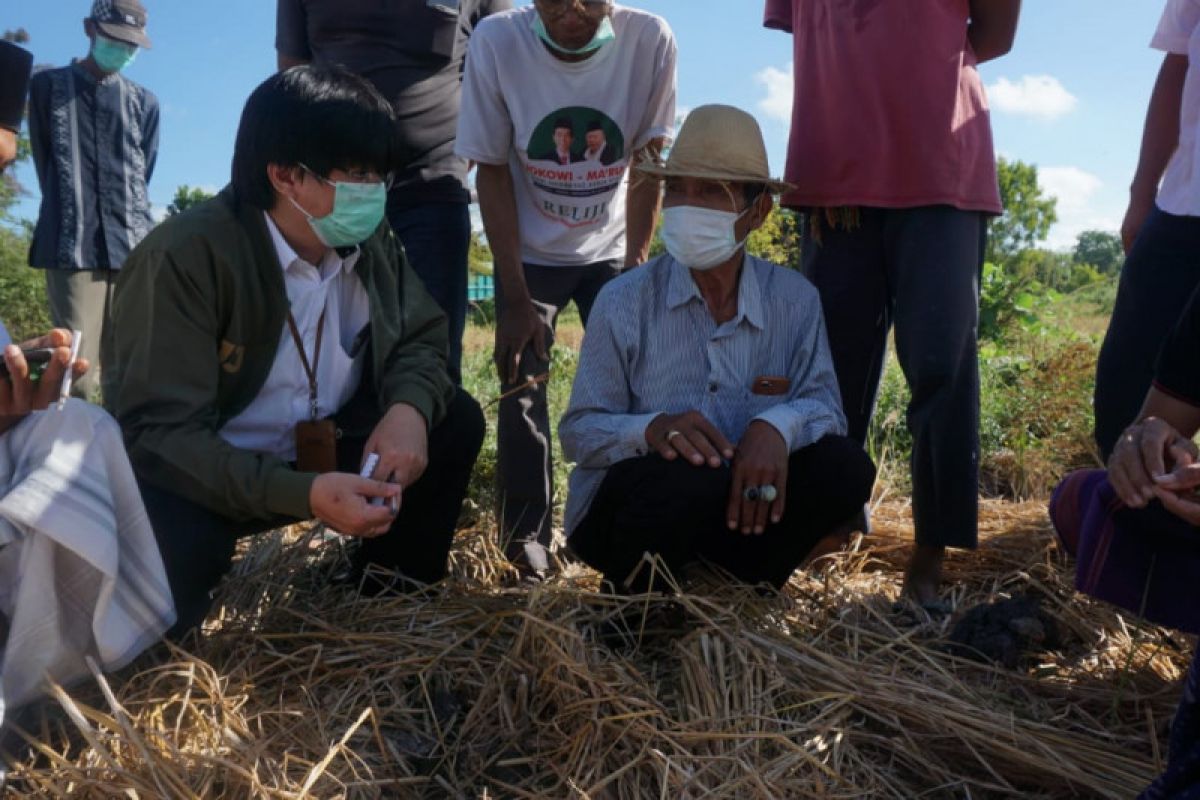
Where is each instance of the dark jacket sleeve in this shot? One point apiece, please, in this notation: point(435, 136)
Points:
point(413, 370)
point(15, 64)
point(161, 383)
point(291, 30)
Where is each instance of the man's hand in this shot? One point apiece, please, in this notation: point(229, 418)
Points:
point(8, 147)
point(19, 395)
point(689, 435)
point(402, 441)
point(1146, 451)
point(1135, 215)
point(762, 460)
point(342, 502)
point(517, 325)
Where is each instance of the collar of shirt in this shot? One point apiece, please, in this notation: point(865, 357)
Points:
point(289, 258)
point(682, 289)
point(86, 74)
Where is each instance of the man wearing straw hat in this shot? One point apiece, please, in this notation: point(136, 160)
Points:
point(559, 227)
point(705, 420)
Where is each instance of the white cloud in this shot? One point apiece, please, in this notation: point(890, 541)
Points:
point(1040, 96)
point(1077, 193)
point(777, 104)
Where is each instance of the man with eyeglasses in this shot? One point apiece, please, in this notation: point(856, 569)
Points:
point(413, 53)
point(277, 359)
point(559, 227)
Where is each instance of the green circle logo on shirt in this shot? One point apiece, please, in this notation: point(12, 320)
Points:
point(576, 152)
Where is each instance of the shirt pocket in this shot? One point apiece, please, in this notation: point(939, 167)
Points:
point(433, 30)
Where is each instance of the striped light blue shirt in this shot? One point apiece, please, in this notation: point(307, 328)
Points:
point(652, 348)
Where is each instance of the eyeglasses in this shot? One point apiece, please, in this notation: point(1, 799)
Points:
point(555, 9)
point(356, 176)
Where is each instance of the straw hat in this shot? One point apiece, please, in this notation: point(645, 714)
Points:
point(719, 143)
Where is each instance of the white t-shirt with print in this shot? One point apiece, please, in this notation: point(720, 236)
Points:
point(515, 93)
point(1179, 32)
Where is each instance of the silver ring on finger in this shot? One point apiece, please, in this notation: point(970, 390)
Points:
point(767, 493)
point(671, 434)
point(750, 493)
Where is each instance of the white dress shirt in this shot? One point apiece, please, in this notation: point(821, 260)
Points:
point(267, 425)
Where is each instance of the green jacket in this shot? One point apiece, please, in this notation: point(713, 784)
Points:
point(198, 314)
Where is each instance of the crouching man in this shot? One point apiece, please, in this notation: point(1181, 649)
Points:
point(270, 341)
point(705, 421)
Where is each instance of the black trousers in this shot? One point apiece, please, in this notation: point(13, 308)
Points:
point(197, 545)
point(915, 270)
point(677, 511)
point(1157, 280)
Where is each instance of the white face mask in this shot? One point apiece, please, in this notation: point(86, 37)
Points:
point(700, 238)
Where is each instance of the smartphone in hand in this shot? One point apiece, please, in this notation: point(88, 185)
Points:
point(36, 358)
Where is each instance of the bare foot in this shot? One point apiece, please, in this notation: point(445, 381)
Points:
point(923, 576)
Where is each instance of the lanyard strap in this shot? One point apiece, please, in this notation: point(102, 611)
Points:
point(310, 370)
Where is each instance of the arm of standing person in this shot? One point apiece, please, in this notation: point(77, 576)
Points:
point(39, 128)
point(517, 322)
point(1160, 135)
point(485, 136)
point(643, 200)
point(150, 134)
point(993, 27)
point(657, 126)
point(291, 35)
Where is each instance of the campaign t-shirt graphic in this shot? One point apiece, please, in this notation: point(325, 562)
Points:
point(568, 131)
point(575, 160)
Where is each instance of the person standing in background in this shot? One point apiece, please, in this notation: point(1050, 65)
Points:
point(413, 53)
point(559, 228)
point(94, 135)
point(891, 155)
point(1160, 232)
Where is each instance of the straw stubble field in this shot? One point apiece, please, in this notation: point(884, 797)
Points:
point(486, 689)
point(490, 689)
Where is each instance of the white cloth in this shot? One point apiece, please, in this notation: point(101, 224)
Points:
point(80, 572)
point(268, 423)
point(1179, 32)
point(515, 93)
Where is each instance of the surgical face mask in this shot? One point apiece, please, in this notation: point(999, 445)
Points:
point(604, 35)
point(111, 55)
point(700, 238)
point(358, 209)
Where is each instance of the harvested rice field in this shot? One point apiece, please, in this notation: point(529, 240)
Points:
point(488, 689)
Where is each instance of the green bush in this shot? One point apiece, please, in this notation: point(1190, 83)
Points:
point(23, 304)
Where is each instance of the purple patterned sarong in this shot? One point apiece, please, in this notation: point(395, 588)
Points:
point(1144, 560)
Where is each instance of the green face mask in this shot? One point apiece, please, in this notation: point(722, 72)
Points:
point(358, 209)
point(111, 55)
point(604, 35)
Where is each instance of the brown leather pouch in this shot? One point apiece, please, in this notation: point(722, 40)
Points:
point(770, 385)
point(316, 446)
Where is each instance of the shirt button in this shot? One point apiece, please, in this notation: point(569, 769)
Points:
point(712, 387)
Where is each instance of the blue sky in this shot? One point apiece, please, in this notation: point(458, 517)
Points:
point(1071, 97)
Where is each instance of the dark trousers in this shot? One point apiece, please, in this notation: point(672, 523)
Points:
point(524, 462)
point(677, 511)
point(197, 545)
point(917, 269)
point(1159, 276)
point(436, 239)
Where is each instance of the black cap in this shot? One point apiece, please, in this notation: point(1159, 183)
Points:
point(123, 20)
